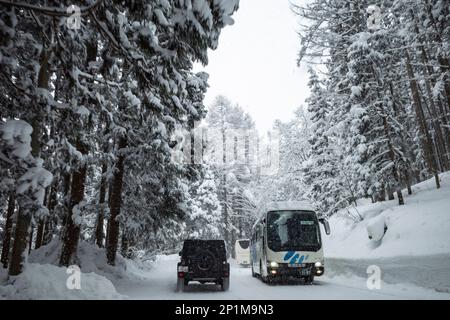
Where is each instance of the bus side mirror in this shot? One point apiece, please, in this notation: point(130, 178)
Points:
point(326, 225)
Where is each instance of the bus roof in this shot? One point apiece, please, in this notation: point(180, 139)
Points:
point(285, 206)
point(289, 205)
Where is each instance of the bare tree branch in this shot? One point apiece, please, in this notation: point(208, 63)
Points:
point(50, 11)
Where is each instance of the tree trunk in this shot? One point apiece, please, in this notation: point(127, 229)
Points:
point(408, 181)
point(109, 205)
point(30, 239)
point(115, 204)
point(51, 204)
point(8, 230)
point(225, 191)
point(48, 229)
point(390, 193)
point(21, 235)
point(124, 246)
point(67, 180)
point(41, 225)
point(381, 196)
point(425, 137)
point(233, 239)
point(72, 230)
point(99, 228)
point(99, 235)
point(40, 233)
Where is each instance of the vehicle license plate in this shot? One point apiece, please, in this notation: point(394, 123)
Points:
point(296, 265)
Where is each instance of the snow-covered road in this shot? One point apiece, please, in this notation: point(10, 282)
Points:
point(160, 283)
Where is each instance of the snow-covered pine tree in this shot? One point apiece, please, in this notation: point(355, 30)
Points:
point(322, 180)
point(232, 172)
point(122, 76)
point(384, 135)
point(373, 125)
point(203, 216)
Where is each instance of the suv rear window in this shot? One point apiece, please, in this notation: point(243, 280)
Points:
point(244, 244)
point(190, 247)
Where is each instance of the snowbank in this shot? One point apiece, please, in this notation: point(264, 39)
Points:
point(376, 228)
point(45, 281)
point(419, 228)
point(90, 258)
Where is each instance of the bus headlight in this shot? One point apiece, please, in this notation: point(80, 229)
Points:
point(273, 264)
point(318, 264)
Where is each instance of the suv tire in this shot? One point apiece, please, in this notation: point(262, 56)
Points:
point(225, 285)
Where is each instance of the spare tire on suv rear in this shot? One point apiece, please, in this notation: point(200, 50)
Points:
point(203, 260)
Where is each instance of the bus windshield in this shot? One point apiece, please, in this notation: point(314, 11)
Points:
point(292, 231)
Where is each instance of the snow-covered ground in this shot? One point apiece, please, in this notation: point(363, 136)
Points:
point(161, 284)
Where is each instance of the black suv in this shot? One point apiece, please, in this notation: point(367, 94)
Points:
point(204, 261)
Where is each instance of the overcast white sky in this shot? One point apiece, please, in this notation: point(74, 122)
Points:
point(255, 63)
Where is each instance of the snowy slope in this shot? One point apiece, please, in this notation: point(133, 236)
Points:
point(415, 248)
point(419, 228)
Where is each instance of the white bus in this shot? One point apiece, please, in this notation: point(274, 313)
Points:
point(242, 252)
point(286, 242)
